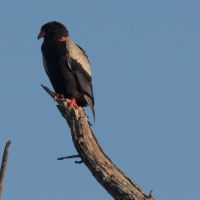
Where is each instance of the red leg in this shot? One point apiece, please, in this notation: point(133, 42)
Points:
point(72, 102)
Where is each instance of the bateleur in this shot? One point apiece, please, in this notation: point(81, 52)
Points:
point(67, 66)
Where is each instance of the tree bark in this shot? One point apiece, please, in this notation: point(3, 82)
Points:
point(116, 183)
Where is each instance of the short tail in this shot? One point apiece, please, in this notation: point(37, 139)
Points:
point(91, 104)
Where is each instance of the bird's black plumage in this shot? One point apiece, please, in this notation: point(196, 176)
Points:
point(66, 65)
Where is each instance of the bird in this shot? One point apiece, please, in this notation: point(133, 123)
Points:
point(67, 66)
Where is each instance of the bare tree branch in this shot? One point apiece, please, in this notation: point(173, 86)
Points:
point(116, 183)
point(3, 165)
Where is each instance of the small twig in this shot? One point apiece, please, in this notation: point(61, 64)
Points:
point(74, 156)
point(67, 157)
point(79, 162)
point(3, 165)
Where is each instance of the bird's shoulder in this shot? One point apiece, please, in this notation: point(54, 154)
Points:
point(75, 52)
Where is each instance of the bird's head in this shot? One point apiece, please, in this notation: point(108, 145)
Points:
point(54, 30)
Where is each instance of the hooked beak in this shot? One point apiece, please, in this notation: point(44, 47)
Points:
point(41, 34)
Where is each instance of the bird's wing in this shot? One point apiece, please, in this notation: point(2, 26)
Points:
point(79, 64)
point(45, 65)
point(78, 54)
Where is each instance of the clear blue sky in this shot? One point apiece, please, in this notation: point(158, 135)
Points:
point(145, 61)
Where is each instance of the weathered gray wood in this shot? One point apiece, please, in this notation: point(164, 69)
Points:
point(3, 165)
point(106, 173)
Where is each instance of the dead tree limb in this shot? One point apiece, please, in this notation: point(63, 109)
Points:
point(3, 165)
point(117, 184)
